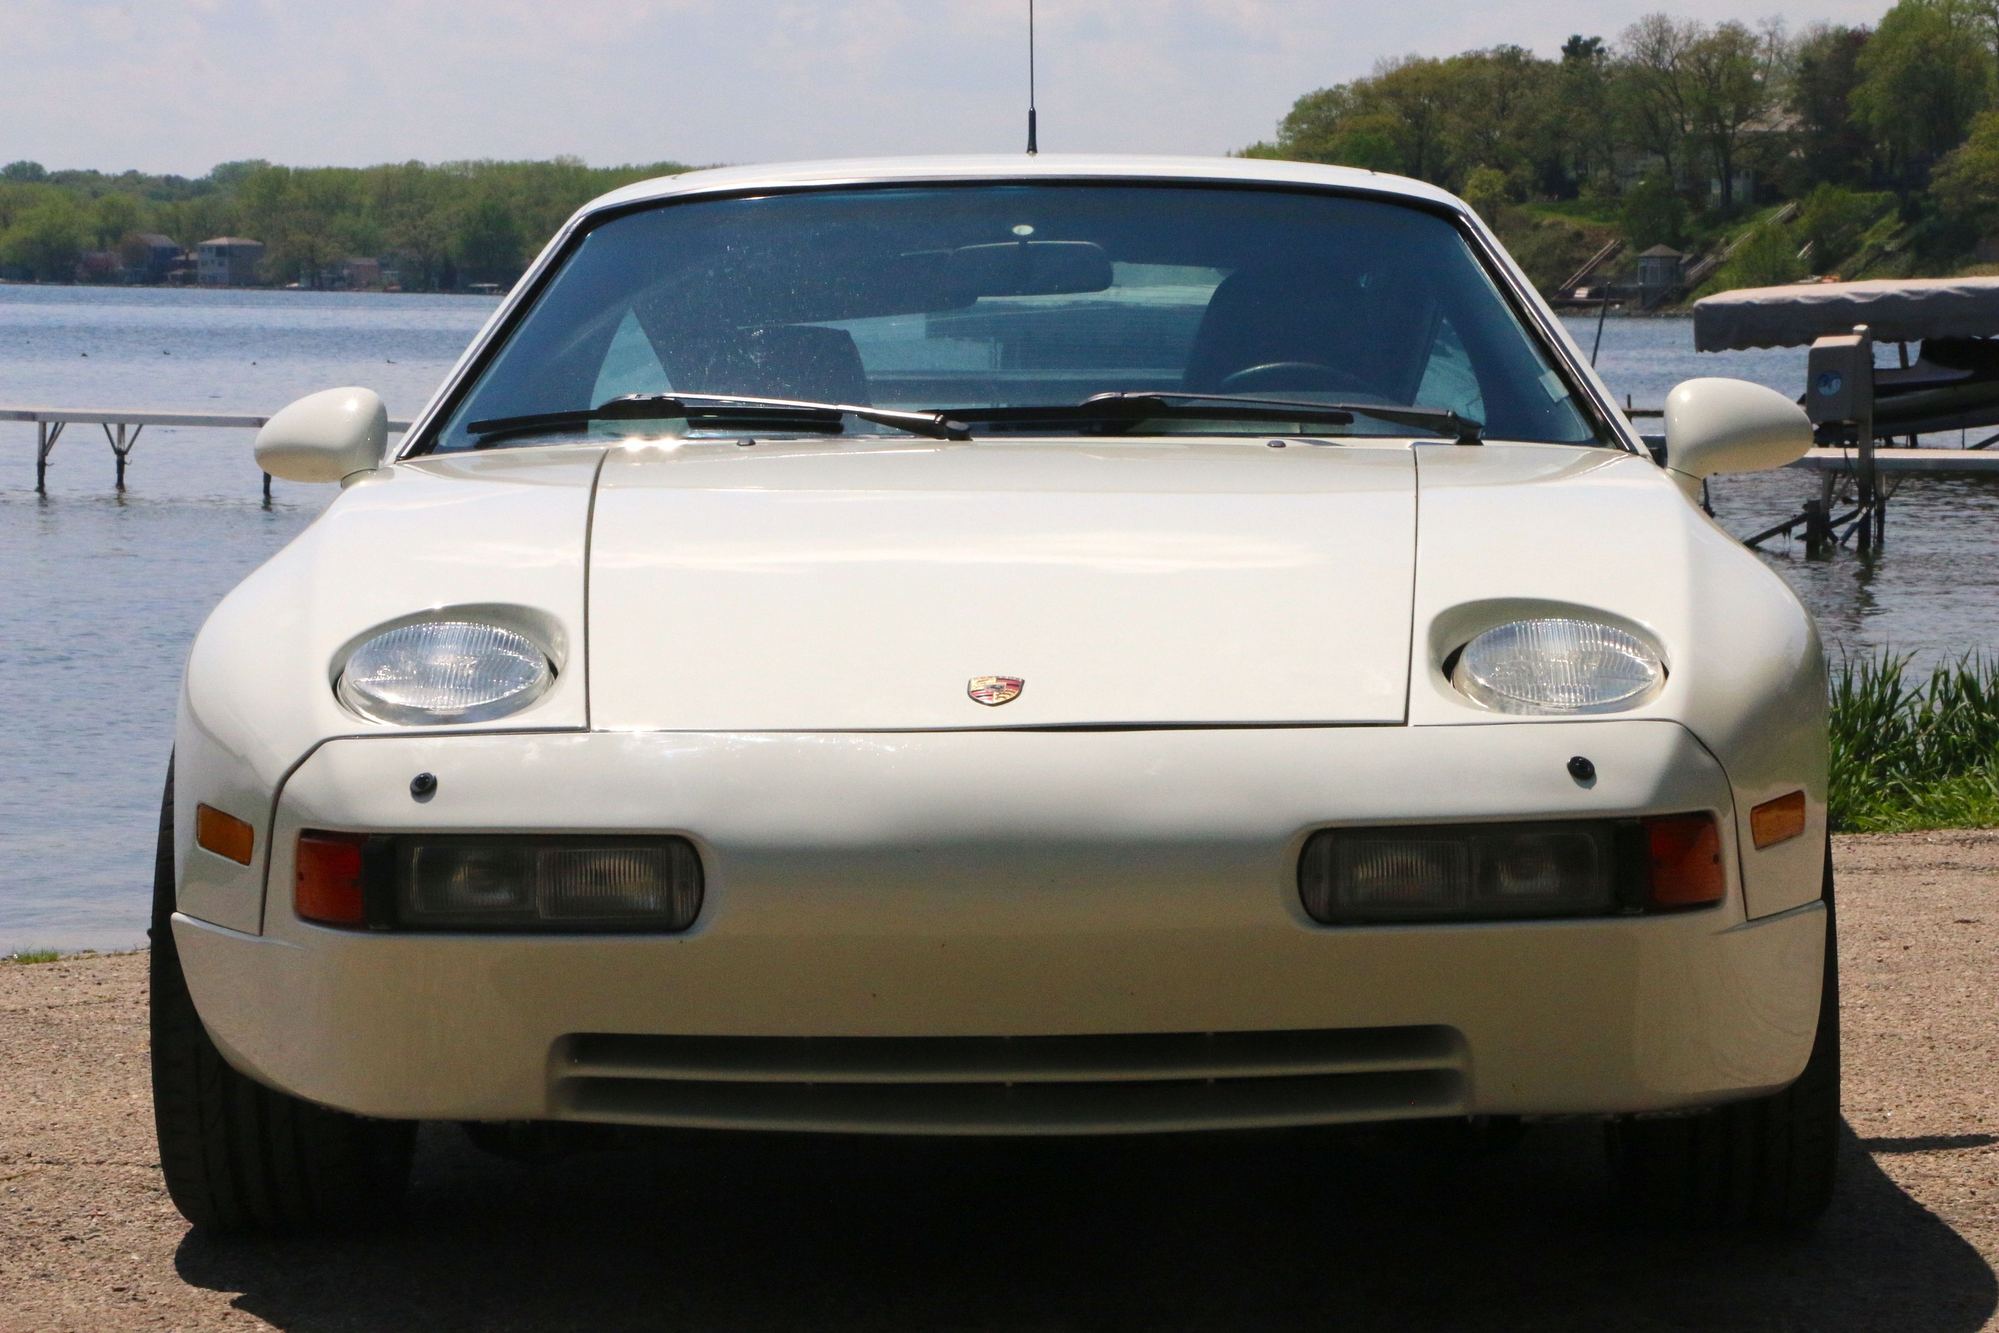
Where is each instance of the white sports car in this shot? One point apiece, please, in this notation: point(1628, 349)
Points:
point(1004, 646)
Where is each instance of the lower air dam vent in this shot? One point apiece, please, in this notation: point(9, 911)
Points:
point(1012, 1085)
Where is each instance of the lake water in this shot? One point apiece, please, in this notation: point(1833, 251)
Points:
point(100, 592)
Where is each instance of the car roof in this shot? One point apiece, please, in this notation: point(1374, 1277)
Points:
point(1019, 167)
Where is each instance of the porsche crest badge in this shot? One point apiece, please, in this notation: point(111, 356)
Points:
point(994, 690)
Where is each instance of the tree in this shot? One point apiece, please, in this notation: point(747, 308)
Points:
point(1825, 68)
point(306, 218)
point(1486, 191)
point(1503, 114)
point(1725, 91)
point(1416, 95)
point(412, 203)
point(46, 239)
point(29, 173)
point(486, 240)
point(193, 220)
point(112, 218)
point(1767, 257)
point(1654, 214)
point(1923, 77)
point(1342, 125)
point(1985, 13)
point(1582, 104)
point(1653, 92)
point(1832, 219)
point(1966, 181)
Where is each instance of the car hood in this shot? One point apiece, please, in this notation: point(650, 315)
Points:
point(863, 586)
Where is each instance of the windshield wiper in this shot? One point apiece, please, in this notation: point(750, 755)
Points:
point(728, 410)
point(1122, 410)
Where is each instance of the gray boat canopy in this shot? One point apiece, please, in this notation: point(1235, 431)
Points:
point(1895, 310)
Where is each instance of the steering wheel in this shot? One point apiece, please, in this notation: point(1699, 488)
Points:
point(1294, 375)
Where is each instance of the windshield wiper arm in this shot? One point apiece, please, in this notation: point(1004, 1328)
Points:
point(700, 409)
point(1462, 429)
point(1122, 410)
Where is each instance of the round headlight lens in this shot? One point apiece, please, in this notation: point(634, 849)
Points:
point(444, 671)
point(1557, 665)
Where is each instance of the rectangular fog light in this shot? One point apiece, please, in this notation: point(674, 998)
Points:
point(546, 884)
point(1465, 872)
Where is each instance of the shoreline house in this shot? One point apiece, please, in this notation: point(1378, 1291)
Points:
point(228, 261)
point(359, 274)
point(150, 257)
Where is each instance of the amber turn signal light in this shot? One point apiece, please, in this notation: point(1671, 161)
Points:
point(1777, 821)
point(224, 834)
point(1685, 852)
point(327, 879)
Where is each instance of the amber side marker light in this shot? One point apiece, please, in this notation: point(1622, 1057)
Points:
point(1685, 852)
point(1777, 821)
point(327, 879)
point(222, 833)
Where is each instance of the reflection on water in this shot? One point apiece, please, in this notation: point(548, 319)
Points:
point(100, 593)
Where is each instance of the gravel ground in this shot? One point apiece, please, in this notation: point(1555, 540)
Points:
point(1265, 1231)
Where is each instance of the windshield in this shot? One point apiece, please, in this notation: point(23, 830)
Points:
point(991, 296)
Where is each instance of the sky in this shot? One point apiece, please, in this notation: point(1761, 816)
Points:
point(180, 85)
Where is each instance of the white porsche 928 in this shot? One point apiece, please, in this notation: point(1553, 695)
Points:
point(1004, 646)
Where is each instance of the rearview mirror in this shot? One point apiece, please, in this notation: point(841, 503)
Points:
point(326, 436)
point(1030, 268)
point(1720, 425)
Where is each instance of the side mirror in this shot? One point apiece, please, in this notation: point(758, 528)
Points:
point(325, 436)
point(1717, 425)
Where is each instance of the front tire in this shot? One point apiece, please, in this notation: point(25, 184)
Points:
point(239, 1157)
point(1769, 1162)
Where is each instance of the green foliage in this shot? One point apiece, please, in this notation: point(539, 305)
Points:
point(1923, 77)
point(46, 238)
point(486, 240)
point(1832, 146)
point(1654, 214)
point(1548, 247)
point(1728, 85)
point(1966, 182)
point(1660, 128)
point(1833, 219)
point(1486, 190)
point(1913, 753)
point(436, 224)
point(1767, 257)
point(30, 956)
point(1437, 120)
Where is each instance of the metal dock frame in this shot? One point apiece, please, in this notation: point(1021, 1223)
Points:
point(122, 429)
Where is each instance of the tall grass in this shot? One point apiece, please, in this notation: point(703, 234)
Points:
point(1910, 752)
point(30, 956)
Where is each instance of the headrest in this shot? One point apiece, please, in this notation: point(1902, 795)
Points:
point(1261, 315)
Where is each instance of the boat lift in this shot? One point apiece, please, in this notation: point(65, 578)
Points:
point(1855, 406)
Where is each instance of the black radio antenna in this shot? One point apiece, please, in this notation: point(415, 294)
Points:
point(1031, 148)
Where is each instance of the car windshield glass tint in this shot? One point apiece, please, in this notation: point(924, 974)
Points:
point(984, 296)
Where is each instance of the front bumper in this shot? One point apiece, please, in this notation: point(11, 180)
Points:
point(1012, 931)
